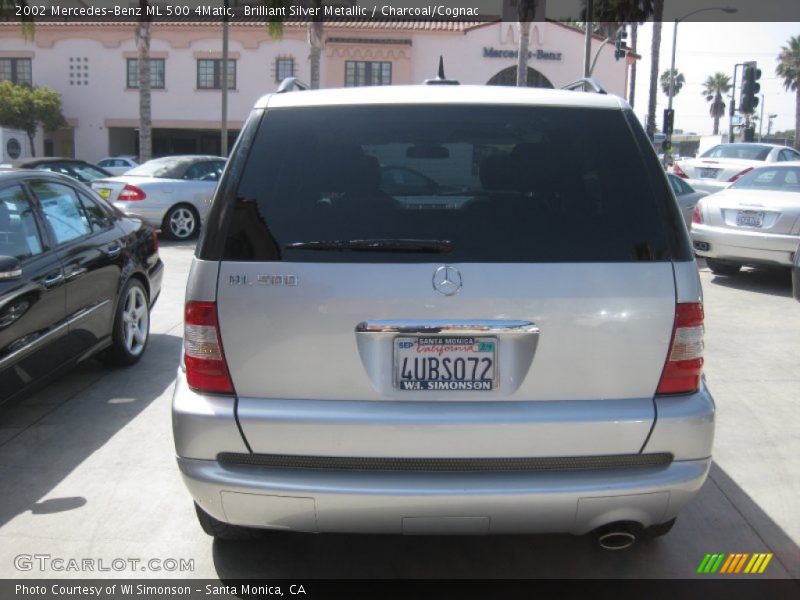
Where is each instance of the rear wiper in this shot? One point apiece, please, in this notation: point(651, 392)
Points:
point(376, 245)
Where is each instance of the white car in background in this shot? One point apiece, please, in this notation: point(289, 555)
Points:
point(723, 164)
point(172, 193)
point(117, 165)
point(756, 221)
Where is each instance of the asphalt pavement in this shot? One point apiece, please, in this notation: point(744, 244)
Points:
point(87, 471)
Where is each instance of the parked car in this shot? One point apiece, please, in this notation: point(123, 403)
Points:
point(71, 167)
point(171, 193)
point(117, 165)
point(354, 362)
point(686, 196)
point(77, 279)
point(723, 164)
point(756, 221)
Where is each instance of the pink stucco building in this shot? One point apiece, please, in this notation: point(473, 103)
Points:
point(93, 67)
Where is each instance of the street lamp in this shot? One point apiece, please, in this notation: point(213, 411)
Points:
point(726, 9)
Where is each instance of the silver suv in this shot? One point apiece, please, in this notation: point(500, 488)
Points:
point(443, 309)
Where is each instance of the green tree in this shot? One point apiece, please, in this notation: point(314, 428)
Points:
point(26, 108)
point(679, 81)
point(713, 89)
point(788, 69)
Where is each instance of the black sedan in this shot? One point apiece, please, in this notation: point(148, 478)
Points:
point(72, 167)
point(77, 278)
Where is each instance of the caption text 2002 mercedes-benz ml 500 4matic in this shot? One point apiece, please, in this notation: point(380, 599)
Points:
point(443, 309)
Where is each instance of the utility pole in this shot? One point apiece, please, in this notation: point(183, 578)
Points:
point(761, 118)
point(223, 129)
point(732, 110)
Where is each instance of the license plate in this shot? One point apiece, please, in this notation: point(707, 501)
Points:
point(104, 192)
point(750, 218)
point(445, 363)
point(709, 173)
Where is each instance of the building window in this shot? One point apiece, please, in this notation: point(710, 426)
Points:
point(16, 70)
point(362, 72)
point(209, 74)
point(284, 67)
point(156, 73)
point(78, 70)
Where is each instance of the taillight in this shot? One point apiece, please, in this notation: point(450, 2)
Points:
point(684, 364)
point(206, 369)
point(697, 214)
point(676, 170)
point(740, 173)
point(131, 193)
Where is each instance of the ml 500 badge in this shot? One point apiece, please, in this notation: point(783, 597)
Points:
point(291, 280)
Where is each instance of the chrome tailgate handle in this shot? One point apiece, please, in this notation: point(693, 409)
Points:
point(449, 327)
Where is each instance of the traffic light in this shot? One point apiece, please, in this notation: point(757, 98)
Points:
point(669, 121)
point(619, 44)
point(750, 88)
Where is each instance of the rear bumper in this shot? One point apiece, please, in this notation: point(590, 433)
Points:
point(467, 503)
point(478, 501)
point(707, 185)
point(152, 216)
point(747, 247)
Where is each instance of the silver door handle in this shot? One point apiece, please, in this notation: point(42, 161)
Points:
point(113, 251)
point(73, 273)
point(53, 279)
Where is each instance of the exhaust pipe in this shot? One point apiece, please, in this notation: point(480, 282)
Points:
point(617, 536)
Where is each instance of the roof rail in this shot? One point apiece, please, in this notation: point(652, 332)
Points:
point(291, 83)
point(585, 82)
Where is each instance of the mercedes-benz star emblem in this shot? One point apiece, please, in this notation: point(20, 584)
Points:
point(447, 280)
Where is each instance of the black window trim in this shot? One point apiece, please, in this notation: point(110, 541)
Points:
point(14, 60)
point(152, 87)
point(217, 74)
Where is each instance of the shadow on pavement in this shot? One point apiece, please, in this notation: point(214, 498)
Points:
point(772, 281)
point(83, 410)
point(722, 518)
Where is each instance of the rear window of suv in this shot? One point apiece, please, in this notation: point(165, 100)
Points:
point(456, 183)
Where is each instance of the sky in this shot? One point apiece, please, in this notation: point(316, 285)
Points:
point(705, 48)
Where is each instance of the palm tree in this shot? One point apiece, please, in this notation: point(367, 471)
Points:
point(679, 81)
point(713, 89)
point(143, 47)
point(526, 11)
point(315, 45)
point(655, 49)
point(789, 70)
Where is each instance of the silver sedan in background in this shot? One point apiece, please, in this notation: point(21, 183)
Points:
point(754, 222)
point(172, 193)
point(686, 196)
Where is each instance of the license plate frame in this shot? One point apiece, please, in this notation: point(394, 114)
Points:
point(750, 218)
point(440, 350)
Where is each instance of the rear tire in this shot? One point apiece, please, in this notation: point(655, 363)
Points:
point(225, 531)
point(719, 267)
point(181, 223)
point(131, 330)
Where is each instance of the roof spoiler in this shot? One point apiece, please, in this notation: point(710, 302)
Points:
point(290, 84)
point(584, 83)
